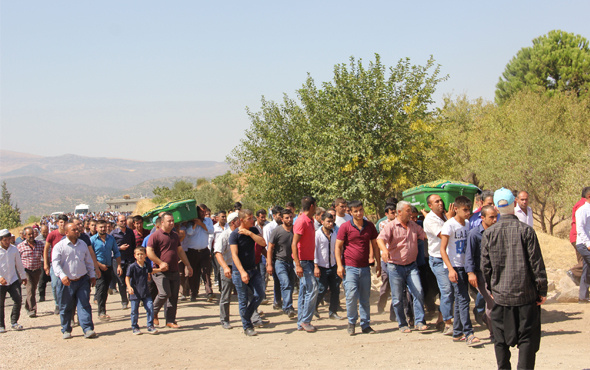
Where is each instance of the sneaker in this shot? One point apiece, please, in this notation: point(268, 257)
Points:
point(182, 298)
point(308, 327)
point(368, 330)
point(210, 297)
point(226, 325)
point(125, 305)
point(250, 332)
point(2, 330)
point(136, 331)
point(291, 314)
point(570, 274)
point(260, 323)
point(56, 311)
point(90, 334)
point(276, 306)
point(152, 330)
point(32, 315)
point(448, 330)
point(16, 326)
point(350, 329)
point(67, 335)
point(335, 316)
point(193, 298)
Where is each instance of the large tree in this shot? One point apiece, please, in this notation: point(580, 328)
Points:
point(364, 135)
point(9, 214)
point(558, 61)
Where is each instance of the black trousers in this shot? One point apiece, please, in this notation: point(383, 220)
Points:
point(43, 284)
point(102, 289)
point(15, 293)
point(517, 326)
point(200, 260)
point(121, 281)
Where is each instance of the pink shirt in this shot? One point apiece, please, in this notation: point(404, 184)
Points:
point(402, 242)
point(573, 233)
point(306, 246)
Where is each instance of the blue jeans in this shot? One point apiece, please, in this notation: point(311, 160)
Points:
point(585, 279)
point(444, 285)
point(55, 286)
point(308, 294)
point(329, 279)
point(357, 285)
point(284, 270)
point(148, 304)
point(247, 308)
point(462, 323)
point(399, 278)
point(76, 294)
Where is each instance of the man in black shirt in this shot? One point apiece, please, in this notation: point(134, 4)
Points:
point(125, 239)
point(279, 256)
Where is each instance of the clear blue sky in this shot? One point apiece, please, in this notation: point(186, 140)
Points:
point(170, 80)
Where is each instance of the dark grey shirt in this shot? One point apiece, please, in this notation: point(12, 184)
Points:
point(512, 263)
point(282, 240)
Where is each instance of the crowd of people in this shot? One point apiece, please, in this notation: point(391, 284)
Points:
point(490, 249)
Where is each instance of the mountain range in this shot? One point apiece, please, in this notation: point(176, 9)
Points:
point(42, 185)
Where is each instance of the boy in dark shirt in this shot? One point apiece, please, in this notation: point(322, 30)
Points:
point(137, 278)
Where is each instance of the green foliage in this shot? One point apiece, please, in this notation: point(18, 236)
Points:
point(180, 190)
point(32, 219)
point(9, 214)
point(365, 135)
point(558, 61)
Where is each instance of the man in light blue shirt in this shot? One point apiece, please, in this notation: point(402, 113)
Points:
point(105, 247)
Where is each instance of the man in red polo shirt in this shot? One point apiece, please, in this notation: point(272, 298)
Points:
point(355, 240)
point(303, 248)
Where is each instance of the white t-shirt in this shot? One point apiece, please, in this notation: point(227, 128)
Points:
point(341, 220)
point(432, 227)
point(457, 241)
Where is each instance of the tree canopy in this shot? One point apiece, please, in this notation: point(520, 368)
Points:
point(558, 61)
point(9, 214)
point(364, 135)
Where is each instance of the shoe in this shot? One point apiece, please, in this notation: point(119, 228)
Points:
point(316, 314)
point(277, 306)
point(250, 332)
point(41, 299)
point(210, 297)
point(16, 326)
point(570, 274)
point(156, 321)
point(448, 330)
point(152, 330)
point(173, 325)
point(368, 330)
point(226, 325)
point(66, 335)
point(56, 311)
point(111, 292)
point(421, 326)
point(335, 316)
point(350, 329)
point(291, 313)
point(90, 334)
point(478, 316)
point(193, 298)
point(125, 306)
point(104, 317)
point(32, 315)
point(260, 323)
point(136, 332)
point(308, 327)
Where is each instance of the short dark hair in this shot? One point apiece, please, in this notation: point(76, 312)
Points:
point(286, 212)
point(354, 204)
point(487, 194)
point(260, 211)
point(585, 191)
point(237, 206)
point(485, 210)
point(220, 212)
point(390, 207)
point(139, 249)
point(463, 201)
point(276, 210)
point(244, 213)
point(101, 222)
point(327, 215)
point(290, 204)
point(414, 210)
point(428, 198)
point(137, 218)
point(391, 200)
point(63, 218)
point(339, 200)
point(166, 214)
point(307, 202)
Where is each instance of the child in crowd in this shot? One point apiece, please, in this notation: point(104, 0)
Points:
point(137, 278)
point(452, 249)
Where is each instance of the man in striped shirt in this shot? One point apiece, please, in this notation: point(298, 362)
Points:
point(31, 253)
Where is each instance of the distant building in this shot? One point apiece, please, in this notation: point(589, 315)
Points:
point(124, 204)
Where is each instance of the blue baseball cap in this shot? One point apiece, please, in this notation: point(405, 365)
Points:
point(503, 194)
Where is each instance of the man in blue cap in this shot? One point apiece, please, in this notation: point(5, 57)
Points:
point(514, 272)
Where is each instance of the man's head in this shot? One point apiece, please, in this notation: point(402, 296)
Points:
point(356, 209)
point(130, 223)
point(404, 211)
point(122, 222)
point(487, 198)
point(140, 254)
point(44, 231)
point(276, 214)
point(72, 231)
point(463, 207)
point(138, 223)
point(332, 211)
point(237, 206)
point(586, 193)
point(167, 222)
point(291, 206)
point(523, 200)
point(246, 218)
point(61, 223)
point(504, 201)
point(233, 220)
point(222, 218)
point(261, 217)
point(340, 206)
point(287, 217)
point(202, 211)
point(110, 227)
point(390, 211)
point(29, 235)
point(414, 216)
point(92, 226)
point(101, 228)
point(5, 238)
point(327, 221)
point(435, 203)
point(489, 216)
point(78, 224)
point(308, 204)
point(319, 211)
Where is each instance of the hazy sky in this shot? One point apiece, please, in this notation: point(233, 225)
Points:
point(170, 80)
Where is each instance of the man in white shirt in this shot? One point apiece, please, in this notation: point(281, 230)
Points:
point(325, 265)
point(218, 229)
point(583, 244)
point(341, 216)
point(11, 268)
point(522, 209)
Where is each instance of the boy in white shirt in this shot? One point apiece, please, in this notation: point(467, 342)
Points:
point(11, 273)
point(452, 250)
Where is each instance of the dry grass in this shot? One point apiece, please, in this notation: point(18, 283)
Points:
point(143, 206)
point(557, 253)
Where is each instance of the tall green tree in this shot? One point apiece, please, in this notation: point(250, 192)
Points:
point(9, 214)
point(363, 135)
point(558, 61)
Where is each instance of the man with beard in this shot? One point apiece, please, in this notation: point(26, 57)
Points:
point(280, 261)
point(125, 239)
point(104, 247)
point(31, 253)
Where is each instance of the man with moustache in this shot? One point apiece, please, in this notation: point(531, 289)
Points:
point(280, 261)
point(31, 253)
point(104, 247)
point(125, 239)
